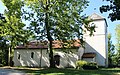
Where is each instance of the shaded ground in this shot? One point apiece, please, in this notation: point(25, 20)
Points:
point(74, 72)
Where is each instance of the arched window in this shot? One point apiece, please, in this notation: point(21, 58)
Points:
point(18, 56)
point(32, 54)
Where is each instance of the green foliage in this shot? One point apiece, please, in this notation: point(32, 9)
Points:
point(13, 29)
point(80, 64)
point(56, 20)
point(64, 20)
point(49, 19)
point(90, 65)
point(86, 65)
point(118, 42)
point(3, 43)
point(114, 7)
point(118, 35)
point(111, 52)
point(1, 65)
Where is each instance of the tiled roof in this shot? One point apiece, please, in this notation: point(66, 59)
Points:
point(44, 44)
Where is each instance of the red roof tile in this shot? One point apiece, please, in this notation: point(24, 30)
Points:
point(44, 44)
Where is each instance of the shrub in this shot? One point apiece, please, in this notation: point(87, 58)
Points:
point(12, 63)
point(1, 65)
point(90, 65)
point(80, 64)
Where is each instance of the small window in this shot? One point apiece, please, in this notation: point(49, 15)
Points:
point(32, 54)
point(18, 56)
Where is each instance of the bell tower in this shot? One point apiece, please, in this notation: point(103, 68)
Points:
point(97, 44)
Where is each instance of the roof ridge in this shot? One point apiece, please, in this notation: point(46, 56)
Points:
point(96, 16)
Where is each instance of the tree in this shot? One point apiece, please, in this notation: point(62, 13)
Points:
point(49, 19)
point(111, 52)
point(118, 40)
point(13, 30)
point(114, 7)
point(57, 20)
point(3, 51)
point(3, 44)
point(114, 57)
point(114, 14)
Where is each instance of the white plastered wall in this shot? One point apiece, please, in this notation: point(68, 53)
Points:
point(66, 60)
point(26, 60)
point(98, 42)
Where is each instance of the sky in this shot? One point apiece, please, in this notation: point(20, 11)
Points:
point(92, 8)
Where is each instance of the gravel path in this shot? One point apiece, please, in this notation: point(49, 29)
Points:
point(12, 72)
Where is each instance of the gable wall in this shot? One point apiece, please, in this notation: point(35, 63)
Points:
point(98, 42)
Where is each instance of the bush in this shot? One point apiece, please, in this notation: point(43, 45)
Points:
point(80, 64)
point(90, 65)
point(1, 65)
point(12, 63)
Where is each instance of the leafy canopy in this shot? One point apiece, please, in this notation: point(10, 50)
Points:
point(64, 19)
point(118, 37)
point(113, 7)
point(13, 30)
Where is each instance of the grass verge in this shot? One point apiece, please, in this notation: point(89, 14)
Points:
point(71, 71)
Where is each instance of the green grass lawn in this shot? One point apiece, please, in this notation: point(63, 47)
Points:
point(52, 71)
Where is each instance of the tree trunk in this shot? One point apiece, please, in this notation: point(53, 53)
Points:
point(6, 57)
point(52, 64)
point(51, 59)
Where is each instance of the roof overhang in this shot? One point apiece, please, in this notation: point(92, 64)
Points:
point(88, 55)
